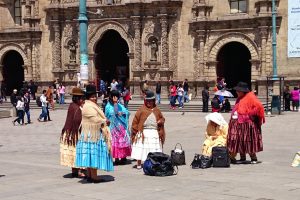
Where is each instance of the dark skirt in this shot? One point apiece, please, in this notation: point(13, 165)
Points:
point(244, 137)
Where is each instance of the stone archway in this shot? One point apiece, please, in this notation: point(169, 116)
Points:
point(219, 43)
point(96, 32)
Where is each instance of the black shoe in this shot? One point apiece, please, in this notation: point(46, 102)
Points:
point(254, 161)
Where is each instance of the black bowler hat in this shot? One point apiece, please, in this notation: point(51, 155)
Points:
point(242, 87)
point(90, 89)
point(149, 95)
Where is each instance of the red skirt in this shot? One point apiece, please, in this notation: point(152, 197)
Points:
point(244, 137)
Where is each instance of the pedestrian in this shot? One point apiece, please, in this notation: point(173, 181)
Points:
point(216, 104)
point(205, 98)
point(62, 91)
point(102, 87)
point(244, 133)
point(113, 85)
point(27, 106)
point(118, 117)
point(44, 102)
point(20, 111)
point(69, 133)
point(158, 92)
point(216, 133)
point(126, 96)
point(3, 90)
point(147, 131)
point(226, 107)
point(145, 87)
point(173, 95)
point(33, 89)
point(93, 149)
point(295, 99)
point(180, 93)
point(49, 95)
point(186, 90)
point(287, 98)
point(13, 101)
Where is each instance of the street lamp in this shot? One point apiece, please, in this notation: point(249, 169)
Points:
point(84, 59)
point(274, 43)
point(83, 25)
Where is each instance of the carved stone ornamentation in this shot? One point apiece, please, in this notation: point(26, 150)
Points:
point(149, 27)
point(68, 30)
point(138, 42)
point(174, 47)
point(164, 41)
point(56, 49)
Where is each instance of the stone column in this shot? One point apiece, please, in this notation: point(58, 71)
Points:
point(56, 48)
point(28, 67)
point(137, 42)
point(201, 38)
point(1, 71)
point(263, 34)
point(164, 41)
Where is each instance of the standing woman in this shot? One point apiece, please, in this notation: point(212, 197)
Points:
point(20, 111)
point(69, 134)
point(244, 133)
point(147, 133)
point(118, 116)
point(94, 144)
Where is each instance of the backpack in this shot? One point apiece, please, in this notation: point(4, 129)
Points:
point(159, 164)
point(38, 102)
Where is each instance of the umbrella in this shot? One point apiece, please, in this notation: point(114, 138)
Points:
point(223, 93)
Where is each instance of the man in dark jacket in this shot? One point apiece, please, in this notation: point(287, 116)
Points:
point(205, 99)
point(186, 90)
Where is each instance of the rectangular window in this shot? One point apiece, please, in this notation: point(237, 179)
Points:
point(238, 6)
point(18, 12)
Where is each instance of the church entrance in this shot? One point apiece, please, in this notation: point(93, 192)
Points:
point(234, 64)
point(112, 61)
point(13, 71)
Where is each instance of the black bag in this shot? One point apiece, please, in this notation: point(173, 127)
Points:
point(220, 157)
point(201, 161)
point(159, 164)
point(178, 157)
point(38, 102)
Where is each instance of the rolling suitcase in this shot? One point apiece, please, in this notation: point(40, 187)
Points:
point(220, 156)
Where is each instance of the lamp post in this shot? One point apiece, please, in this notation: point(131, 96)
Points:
point(83, 24)
point(274, 43)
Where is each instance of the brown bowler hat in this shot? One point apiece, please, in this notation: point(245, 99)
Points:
point(77, 92)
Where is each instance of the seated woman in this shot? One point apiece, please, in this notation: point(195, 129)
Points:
point(216, 133)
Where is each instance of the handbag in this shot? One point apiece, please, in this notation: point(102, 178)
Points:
point(178, 155)
point(220, 156)
point(201, 161)
point(159, 164)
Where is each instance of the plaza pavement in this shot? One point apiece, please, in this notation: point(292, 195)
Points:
point(29, 161)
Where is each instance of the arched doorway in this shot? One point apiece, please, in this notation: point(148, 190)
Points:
point(112, 61)
point(13, 71)
point(234, 64)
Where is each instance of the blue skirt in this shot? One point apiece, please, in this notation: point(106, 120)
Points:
point(93, 155)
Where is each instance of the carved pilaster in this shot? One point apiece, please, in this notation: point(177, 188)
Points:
point(56, 49)
point(28, 68)
point(263, 35)
point(137, 42)
point(201, 39)
point(164, 41)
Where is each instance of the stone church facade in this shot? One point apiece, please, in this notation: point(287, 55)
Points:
point(163, 40)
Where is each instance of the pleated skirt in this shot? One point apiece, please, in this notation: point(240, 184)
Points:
point(93, 155)
point(151, 143)
point(244, 137)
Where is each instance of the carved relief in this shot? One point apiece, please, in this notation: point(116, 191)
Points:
point(68, 30)
point(56, 49)
point(138, 42)
point(37, 68)
point(174, 47)
point(164, 41)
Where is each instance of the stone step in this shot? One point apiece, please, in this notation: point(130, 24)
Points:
point(5, 113)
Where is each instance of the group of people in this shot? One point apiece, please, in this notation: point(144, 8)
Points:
point(178, 93)
point(92, 139)
point(243, 135)
point(291, 96)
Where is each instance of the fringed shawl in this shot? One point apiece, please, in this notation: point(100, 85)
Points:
point(250, 106)
point(94, 121)
point(116, 120)
point(69, 134)
point(140, 118)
